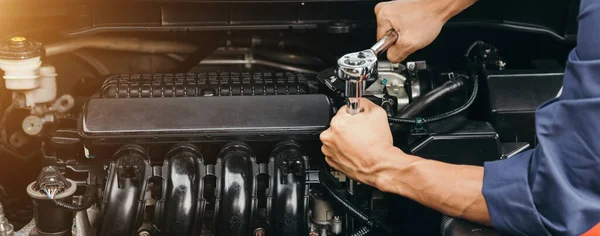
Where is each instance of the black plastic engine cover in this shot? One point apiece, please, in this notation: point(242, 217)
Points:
point(106, 121)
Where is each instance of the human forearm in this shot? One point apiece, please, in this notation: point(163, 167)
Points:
point(454, 190)
point(418, 22)
point(454, 7)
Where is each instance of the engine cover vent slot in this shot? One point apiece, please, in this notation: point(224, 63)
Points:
point(205, 84)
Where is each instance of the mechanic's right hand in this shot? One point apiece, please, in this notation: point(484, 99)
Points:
point(418, 22)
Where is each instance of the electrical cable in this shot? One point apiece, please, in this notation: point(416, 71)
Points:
point(349, 207)
point(362, 231)
point(440, 116)
point(89, 199)
point(472, 47)
point(509, 26)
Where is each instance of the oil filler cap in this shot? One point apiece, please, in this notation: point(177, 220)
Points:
point(19, 48)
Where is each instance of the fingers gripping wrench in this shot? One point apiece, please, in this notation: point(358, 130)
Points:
point(354, 68)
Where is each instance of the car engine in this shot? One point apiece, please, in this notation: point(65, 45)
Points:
point(114, 124)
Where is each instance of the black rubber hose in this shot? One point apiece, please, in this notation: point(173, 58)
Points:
point(423, 102)
point(356, 213)
point(89, 199)
point(407, 116)
point(457, 227)
point(349, 207)
point(362, 231)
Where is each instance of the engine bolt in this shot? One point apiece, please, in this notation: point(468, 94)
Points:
point(259, 232)
point(144, 233)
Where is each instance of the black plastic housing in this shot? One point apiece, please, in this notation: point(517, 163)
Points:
point(183, 169)
point(237, 193)
point(514, 98)
point(287, 166)
point(472, 143)
point(52, 219)
point(123, 202)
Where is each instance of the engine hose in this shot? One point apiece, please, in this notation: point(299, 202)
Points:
point(349, 207)
point(362, 231)
point(422, 103)
point(89, 199)
point(458, 227)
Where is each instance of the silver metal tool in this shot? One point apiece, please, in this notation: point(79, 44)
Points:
point(356, 67)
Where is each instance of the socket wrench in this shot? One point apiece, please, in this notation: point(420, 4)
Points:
point(354, 68)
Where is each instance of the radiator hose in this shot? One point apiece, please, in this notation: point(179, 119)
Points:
point(408, 114)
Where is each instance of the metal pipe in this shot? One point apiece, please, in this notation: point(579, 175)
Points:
point(120, 44)
point(248, 60)
point(256, 62)
point(6, 229)
point(175, 57)
point(170, 48)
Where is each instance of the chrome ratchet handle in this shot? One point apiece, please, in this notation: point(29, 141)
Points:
point(386, 42)
point(354, 90)
point(354, 68)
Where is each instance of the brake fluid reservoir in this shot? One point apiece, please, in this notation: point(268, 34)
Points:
point(20, 60)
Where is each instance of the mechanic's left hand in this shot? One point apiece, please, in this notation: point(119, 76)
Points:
point(359, 145)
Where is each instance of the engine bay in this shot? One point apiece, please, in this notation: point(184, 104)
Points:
point(217, 132)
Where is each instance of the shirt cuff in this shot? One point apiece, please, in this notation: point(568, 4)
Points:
point(508, 196)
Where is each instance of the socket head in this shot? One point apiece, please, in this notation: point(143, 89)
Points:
point(357, 65)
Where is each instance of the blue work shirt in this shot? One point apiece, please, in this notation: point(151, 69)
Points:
point(554, 189)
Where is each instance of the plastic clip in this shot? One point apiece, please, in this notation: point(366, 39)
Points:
point(419, 129)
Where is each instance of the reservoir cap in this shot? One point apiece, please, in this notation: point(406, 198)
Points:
point(19, 48)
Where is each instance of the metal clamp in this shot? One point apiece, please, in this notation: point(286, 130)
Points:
point(357, 67)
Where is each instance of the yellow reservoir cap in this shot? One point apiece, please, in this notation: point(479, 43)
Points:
point(18, 39)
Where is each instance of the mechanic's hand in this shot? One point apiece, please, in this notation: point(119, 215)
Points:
point(418, 22)
point(359, 145)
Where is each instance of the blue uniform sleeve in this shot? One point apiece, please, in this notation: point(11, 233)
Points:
point(554, 189)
